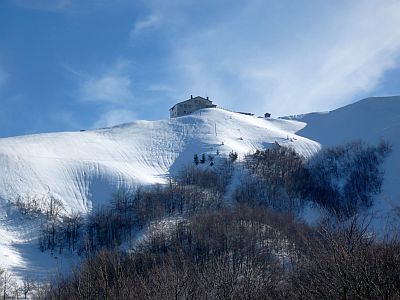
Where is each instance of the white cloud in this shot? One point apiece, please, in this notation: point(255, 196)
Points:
point(340, 65)
point(111, 86)
point(292, 63)
point(150, 21)
point(160, 88)
point(110, 89)
point(115, 117)
point(107, 88)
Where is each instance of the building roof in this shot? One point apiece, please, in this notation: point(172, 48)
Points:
point(197, 97)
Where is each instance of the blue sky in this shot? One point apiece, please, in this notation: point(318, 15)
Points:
point(80, 64)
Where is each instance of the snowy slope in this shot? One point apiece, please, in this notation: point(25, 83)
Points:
point(83, 169)
point(369, 120)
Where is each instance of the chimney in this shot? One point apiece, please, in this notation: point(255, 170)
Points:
point(207, 98)
point(191, 96)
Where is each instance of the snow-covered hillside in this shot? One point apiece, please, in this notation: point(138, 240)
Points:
point(369, 120)
point(83, 169)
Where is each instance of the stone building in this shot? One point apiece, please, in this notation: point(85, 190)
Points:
point(189, 106)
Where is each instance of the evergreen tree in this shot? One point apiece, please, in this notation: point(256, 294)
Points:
point(196, 159)
point(203, 159)
point(233, 156)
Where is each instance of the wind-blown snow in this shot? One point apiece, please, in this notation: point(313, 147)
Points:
point(83, 169)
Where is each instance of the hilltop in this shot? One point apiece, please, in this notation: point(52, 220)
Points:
point(84, 169)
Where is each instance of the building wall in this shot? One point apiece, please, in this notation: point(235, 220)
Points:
point(190, 106)
point(173, 112)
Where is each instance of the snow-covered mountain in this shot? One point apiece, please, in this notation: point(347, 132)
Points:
point(369, 120)
point(83, 169)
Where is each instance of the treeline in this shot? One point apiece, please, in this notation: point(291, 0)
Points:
point(251, 247)
point(57, 229)
point(345, 178)
point(346, 261)
point(228, 230)
point(129, 212)
point(276, 178)
point(243, 252)
point(342, 179)
point(230, 253)
point(214, 177)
